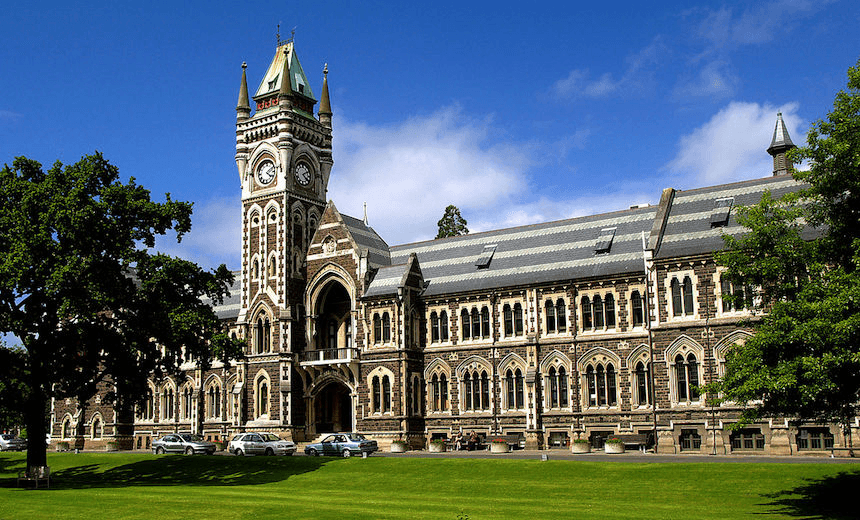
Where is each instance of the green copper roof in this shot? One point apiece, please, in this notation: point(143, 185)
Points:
point(271, 83)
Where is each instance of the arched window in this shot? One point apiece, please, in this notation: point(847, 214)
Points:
point(609, 306)
point(67, 428)
point(476, 324)
point(553, 388)
point(376, 394)
point(465, 325)
point(96, 432)
point(511, 388)
point(263, 398)
point(443, 392)
point(682, 297)
point(557, 386)
point(509, 320)
point(485, 322)
point(637, 310)
point(439, 392)
point(272, 266)
point(591, 381)
point(262, 336)
point(687, 377)
point(585, 306)
point(434, 327)
point(602, 388)
point(561, 315)
point(377, 329)
point(683, 388)
point(611, 393)
point(167, 403)
point(677, 304)
point(562, 387)
point(386, 328)
point(443, 326)
point(688, 296)
point(213, 405)
point(416, 396)
point(149, 405)
point(186, 402)
point(255, 270)
point(332, 334)
point(485, 391)
point(549, 313)
point(518, 319)
point(598, 313)
point(476, 391)
point(642, 384)
point(467, 390)
point(386, 394)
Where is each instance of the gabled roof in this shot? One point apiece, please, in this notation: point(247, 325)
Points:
point(541, 253)
point(389, 279)
point(689, 228)
point(368, 240)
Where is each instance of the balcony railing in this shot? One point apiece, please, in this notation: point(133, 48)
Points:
point(328, 355)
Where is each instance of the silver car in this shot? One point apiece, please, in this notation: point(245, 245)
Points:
point(9, 442)
point(346, 444)
point(186, 443)
point(260, 444)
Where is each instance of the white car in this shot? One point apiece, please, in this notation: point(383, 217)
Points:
point(9, 442)
point(256, 443)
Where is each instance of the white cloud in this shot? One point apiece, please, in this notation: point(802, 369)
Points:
point(715, 79)
point(215, 236)
point(637, 74)
point(760, 23)
point(732, 145)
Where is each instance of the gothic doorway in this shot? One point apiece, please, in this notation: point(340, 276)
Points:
point(333, 409)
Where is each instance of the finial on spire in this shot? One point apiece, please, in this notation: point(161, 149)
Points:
point(325, 70)
point(365, 214)
point(243, 107)
point(278, 34)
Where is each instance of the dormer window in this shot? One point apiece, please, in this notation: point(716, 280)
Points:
point(604, 240)
point(486, 256)
point(720, 213)
point(273, 82)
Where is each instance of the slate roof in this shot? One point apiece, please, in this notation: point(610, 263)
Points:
point(688, 228)
point(539, 253)
point(229, 309)
point(387, 280)
point(368, 240)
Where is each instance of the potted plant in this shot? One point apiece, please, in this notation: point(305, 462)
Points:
point(580, 446)
point(63, 446)
point(112, 446)
point(220, 445)
point(500, 446)
point(398, 446)
point(437, 446)
point(613, 445)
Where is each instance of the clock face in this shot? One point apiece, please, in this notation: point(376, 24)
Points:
point(266, 172)
point(303, 174)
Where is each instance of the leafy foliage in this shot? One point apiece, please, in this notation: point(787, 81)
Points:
point(452, 224)
point(803, 255)
point(80, 289)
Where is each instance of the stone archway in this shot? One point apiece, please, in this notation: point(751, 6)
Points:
point(332, 407)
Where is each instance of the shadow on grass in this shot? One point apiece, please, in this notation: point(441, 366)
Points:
point(180, 470)
point(829, 497)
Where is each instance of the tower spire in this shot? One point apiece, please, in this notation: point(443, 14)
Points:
point(286, 83)
point(325, 104)
point(780, 144)
point(243, 107)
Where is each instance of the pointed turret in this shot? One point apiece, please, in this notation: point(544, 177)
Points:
point(286, 91)
point(243, 107)
point(325, 104)
point(780, 144)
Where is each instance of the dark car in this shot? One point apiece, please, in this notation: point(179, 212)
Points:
point(346, 444)
point(186, 443)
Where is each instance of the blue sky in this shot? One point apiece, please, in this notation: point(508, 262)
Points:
point(516, 112)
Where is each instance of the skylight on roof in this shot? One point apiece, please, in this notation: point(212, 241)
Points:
point(483, 260)
point(604, 240)
point(720, 213)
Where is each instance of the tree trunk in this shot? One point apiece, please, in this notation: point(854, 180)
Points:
point(34, 417)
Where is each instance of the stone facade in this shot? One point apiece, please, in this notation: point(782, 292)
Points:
point(576, 329)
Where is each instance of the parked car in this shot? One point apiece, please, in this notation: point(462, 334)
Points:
point(346, 444)
point(186, 443)
point(260, 444)
point(9, 442)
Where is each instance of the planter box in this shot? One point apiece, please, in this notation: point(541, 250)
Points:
point(436, 447)
point(613, 448)
point(397, 447)
point(497, 447)
point(580, 447)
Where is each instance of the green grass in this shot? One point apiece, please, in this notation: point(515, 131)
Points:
point(121, 485)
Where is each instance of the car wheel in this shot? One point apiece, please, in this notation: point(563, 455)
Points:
point(189, 451)
point(159, 451)
point(239, 452)
point(313, 453)
point(347, 454)
point(269, 452)
point(289, 454)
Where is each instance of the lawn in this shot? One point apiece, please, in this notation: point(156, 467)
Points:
point(122, 485)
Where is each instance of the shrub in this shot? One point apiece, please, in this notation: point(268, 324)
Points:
point(399, 443)
point(500, 441)
point(112, 446)
point(438, 441)
point(220, 445)
point(580, 441)
point(63, 446)
point(614, 440)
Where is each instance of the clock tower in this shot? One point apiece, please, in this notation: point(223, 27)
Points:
point(283, 155)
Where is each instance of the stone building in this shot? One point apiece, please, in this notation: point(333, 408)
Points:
point(579, 328)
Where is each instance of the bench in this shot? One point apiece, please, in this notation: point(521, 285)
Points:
point(849, 450)
point(638, 440)
point(514, 440)
point(35, 474)
point(464, 443)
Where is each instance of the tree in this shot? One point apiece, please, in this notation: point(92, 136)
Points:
point(12, 379)
point(81, 290)
point(452, 224)
point(802, 256)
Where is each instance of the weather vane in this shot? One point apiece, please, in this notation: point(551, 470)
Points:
point(278, 34)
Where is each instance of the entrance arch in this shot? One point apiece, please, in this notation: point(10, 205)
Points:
point(332, 407)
